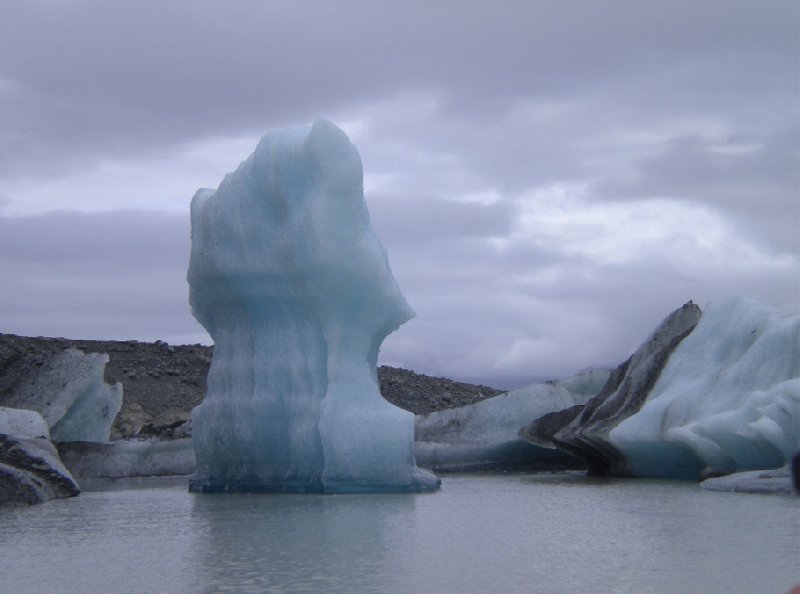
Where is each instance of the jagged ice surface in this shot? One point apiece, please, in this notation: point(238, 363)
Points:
point(728, 399)
point(294, 287)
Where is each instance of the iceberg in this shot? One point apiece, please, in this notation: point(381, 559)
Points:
point(708, 394)
point(774, 481)
point(70, 392)
point(728, 399)
point(486, 435)
point(295, 289)
point(583, 429)
point(30, 470)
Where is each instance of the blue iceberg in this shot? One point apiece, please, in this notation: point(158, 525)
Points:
point(289, 278)
point(706, 395)
point(728, 399)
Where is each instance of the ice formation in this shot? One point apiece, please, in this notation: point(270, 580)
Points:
point(707, 394)
point(777, 481)
point(485, 435)
point(30, 469)
point(727, 401)
point(25, 424)
point(295, 289)
point(70, 392)
point(583, 429)
point(127, 458)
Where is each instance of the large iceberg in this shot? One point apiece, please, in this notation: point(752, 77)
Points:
point(289, 278)
point(706, 395)
point(727, 401)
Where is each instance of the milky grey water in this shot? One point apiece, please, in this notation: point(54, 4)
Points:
point(498, 533)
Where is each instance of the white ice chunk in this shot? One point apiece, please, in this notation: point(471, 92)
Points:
point(24, 424)
point(294, 287)
point(773, 481)
point(728, 399)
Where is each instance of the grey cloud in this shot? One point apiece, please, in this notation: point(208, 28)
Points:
point(414, 219)
point(113, 240)
point(122, 275)
point(114, 275)
point(111, 79)
point(758, 185)
point(525, 95)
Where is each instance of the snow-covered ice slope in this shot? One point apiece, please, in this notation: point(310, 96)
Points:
point(728, 399)
point(289, 278)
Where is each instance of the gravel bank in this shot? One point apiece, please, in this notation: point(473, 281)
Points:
point(161, 378)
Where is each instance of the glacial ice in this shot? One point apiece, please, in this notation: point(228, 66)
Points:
point(70, 392)
point(30, 469)
point(128, 458)
point(727, 401)
point(777, 481)
point(22, 423)
point(289, 278)
point(485, 435)
point(583, 430)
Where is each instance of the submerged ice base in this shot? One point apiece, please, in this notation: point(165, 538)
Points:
point(295, 289)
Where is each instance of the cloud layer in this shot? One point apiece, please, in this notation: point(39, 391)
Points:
point(550, 179)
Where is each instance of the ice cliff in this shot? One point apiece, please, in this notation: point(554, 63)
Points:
point(705, 395)
point(295, 289)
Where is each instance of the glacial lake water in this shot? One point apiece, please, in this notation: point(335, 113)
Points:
point(480, 533)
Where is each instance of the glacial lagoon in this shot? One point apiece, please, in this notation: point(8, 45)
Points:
point(547, 533)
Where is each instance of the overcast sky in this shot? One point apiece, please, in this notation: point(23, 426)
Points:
point(550, 178)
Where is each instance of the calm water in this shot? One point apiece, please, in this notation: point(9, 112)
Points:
point(508, 533)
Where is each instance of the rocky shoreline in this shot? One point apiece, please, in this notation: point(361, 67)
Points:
point(162, 383)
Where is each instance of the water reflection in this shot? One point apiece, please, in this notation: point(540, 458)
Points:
point(298, 543)
point(509, 533)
